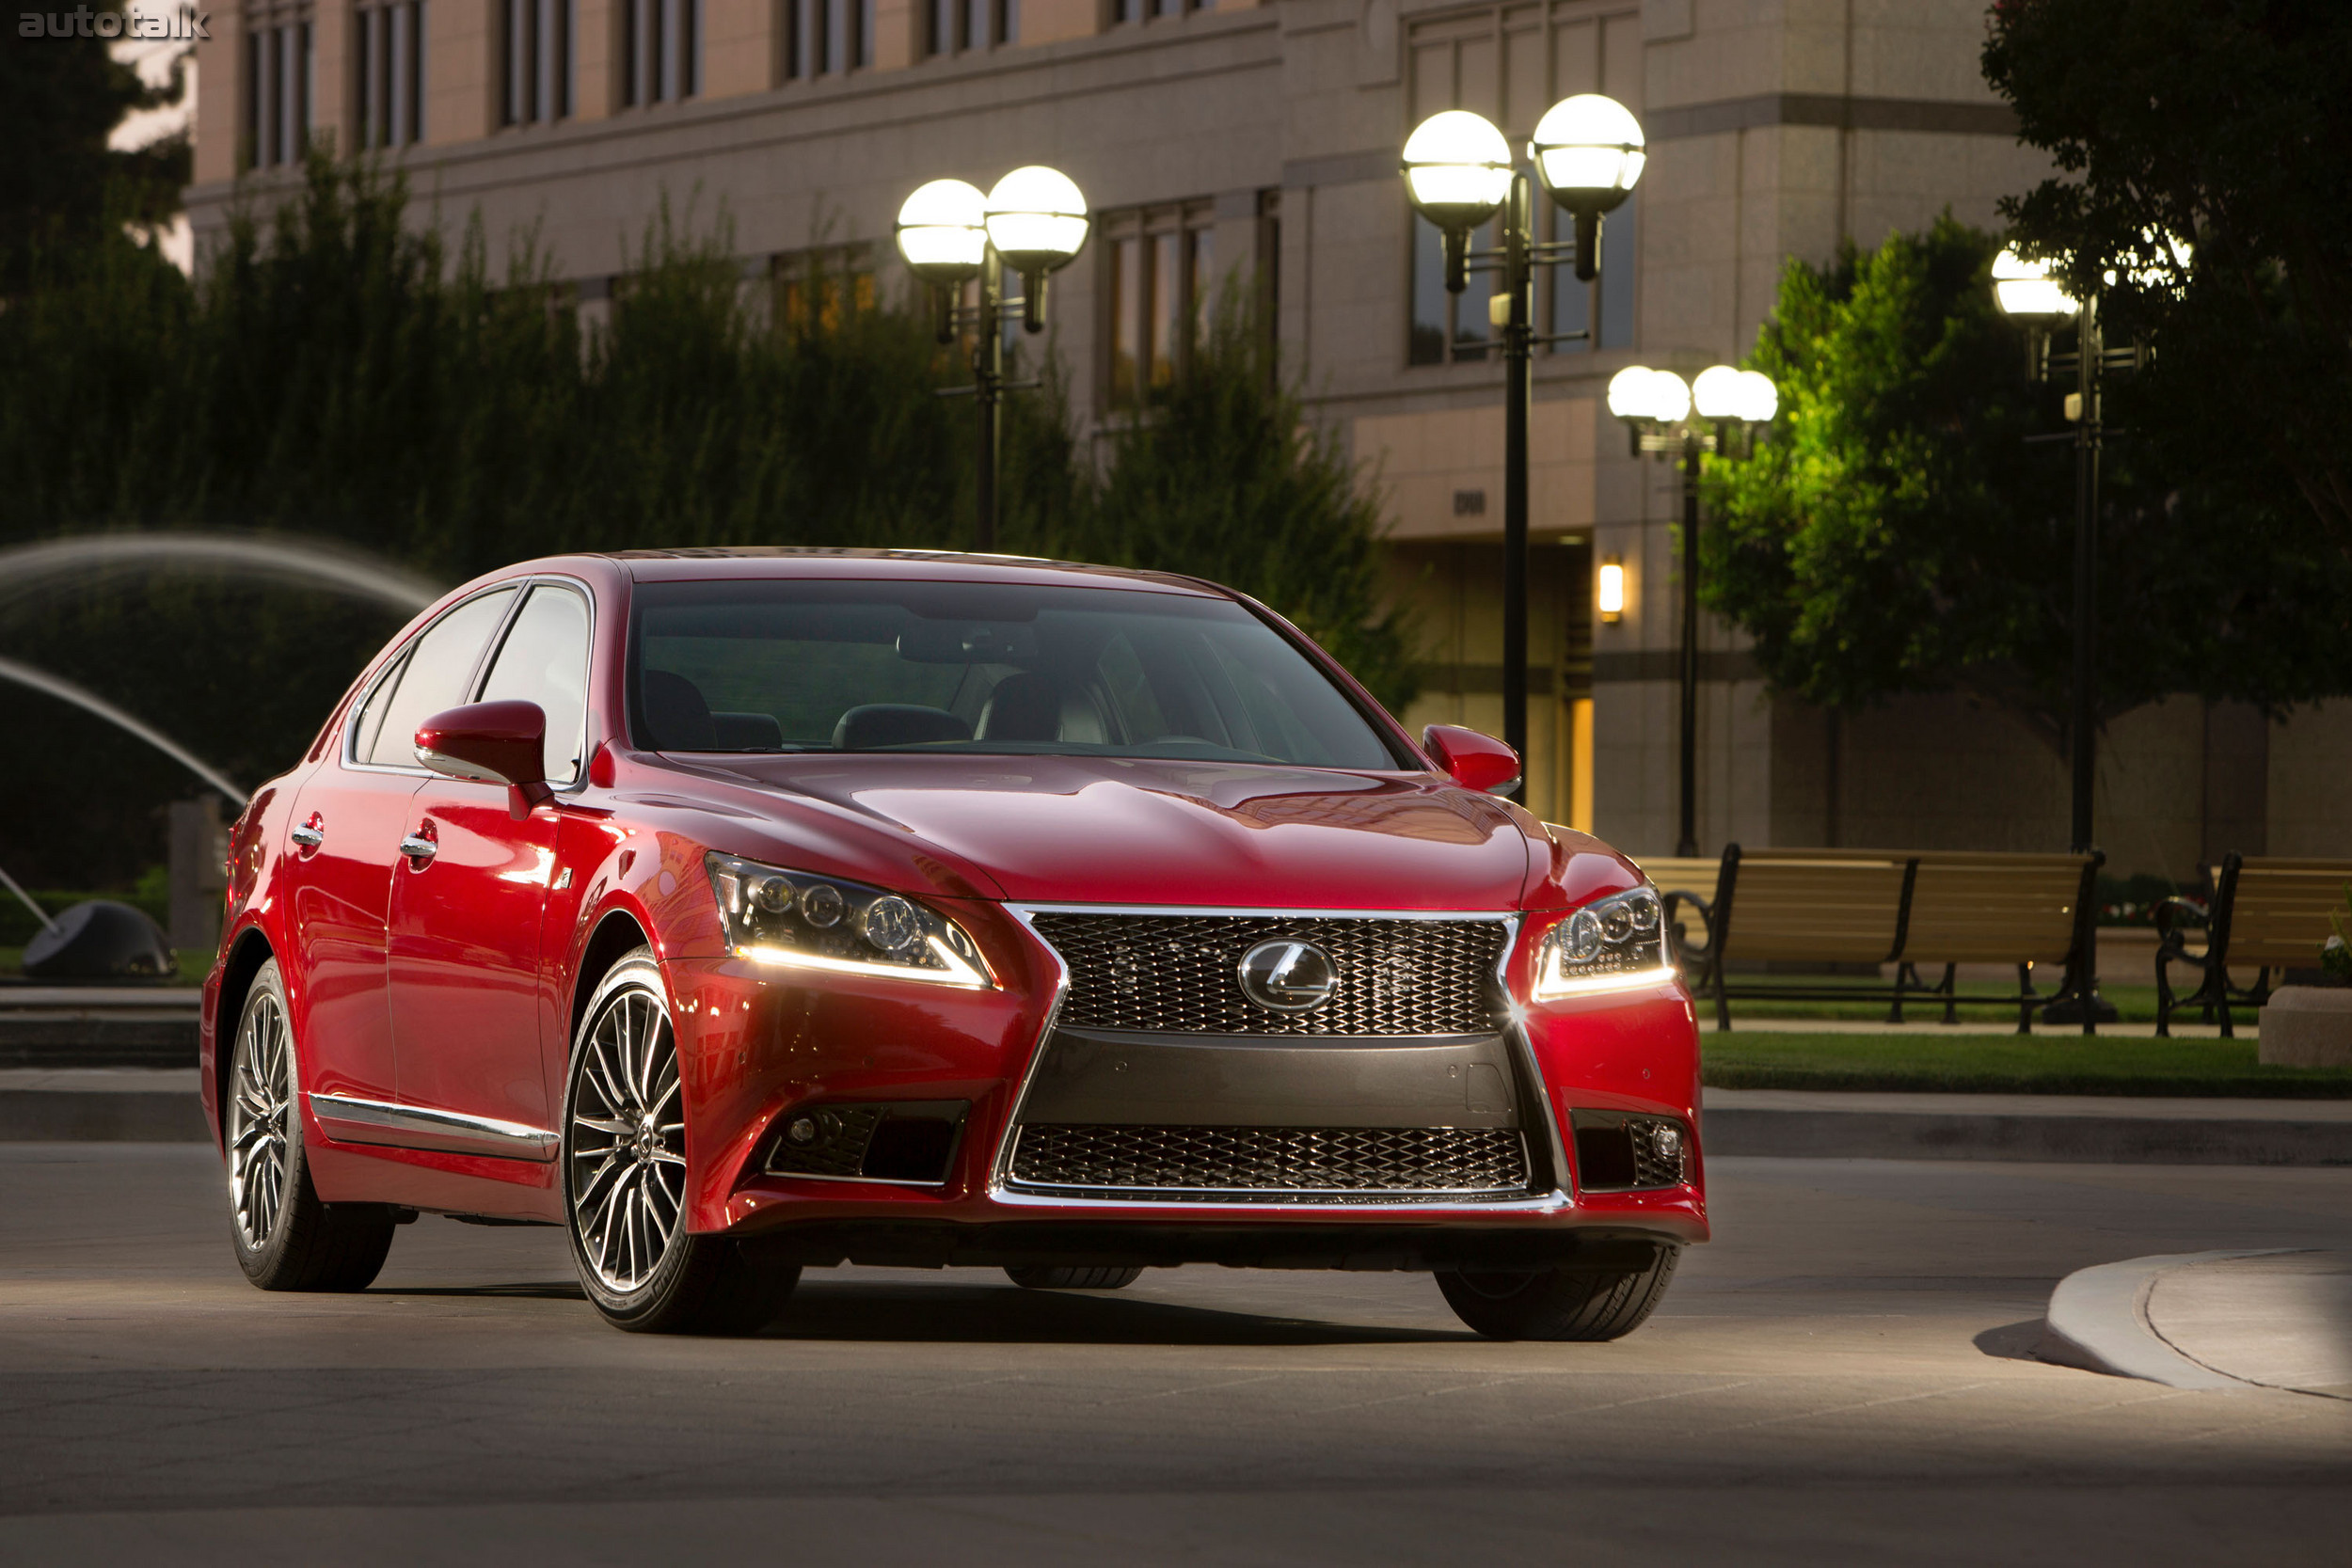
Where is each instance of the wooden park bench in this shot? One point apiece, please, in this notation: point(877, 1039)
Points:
point(1876, 908)
point(2261, 914)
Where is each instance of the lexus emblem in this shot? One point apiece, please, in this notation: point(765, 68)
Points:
point(1287, 977)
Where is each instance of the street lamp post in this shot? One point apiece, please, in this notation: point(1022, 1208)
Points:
point(1657, 408)
point(1460, 174)
point(1034, 223)
point(2025, 289)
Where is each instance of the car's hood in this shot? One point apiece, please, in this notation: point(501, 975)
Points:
point(1127, 831)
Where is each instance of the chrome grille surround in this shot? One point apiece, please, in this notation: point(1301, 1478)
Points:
point(1176, 972)
point(1246, 1165)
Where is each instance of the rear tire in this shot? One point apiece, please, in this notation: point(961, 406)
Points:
point(285, 1237)
point(1057, 1277)
point(625, 1176)
point(1561, 1303)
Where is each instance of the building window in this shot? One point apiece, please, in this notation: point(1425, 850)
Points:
point(537, 35)
point(1136, 10)
point(387, 56)
point(826, 38)
point(1511, 64)
point(816, 291)
point(279, 86)
point(662, 51)
point(1161, 266)
point(957, 25)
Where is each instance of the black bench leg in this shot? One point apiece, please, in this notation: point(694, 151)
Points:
point(1951, 993)
point(1723, 1003)
point(1904, 974)
point(2220, 981)
point(2024, 999)
point(2164, 994)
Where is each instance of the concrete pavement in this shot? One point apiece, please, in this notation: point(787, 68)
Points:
point(1845, 1375)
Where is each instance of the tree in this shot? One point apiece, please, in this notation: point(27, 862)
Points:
point(1900, 532)
point(338, 371)
point(1229, 479)
point(60, 185)
point(2223, 122)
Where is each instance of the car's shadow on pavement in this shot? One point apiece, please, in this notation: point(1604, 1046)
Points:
point(958, 1314)
point(855, 1310)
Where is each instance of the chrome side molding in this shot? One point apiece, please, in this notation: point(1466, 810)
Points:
point(350, 1119)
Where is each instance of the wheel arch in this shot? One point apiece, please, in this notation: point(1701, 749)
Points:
point(617, 933)
point(251, 950)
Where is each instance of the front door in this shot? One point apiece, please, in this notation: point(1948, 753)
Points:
point(467, 977)
point(347, 826)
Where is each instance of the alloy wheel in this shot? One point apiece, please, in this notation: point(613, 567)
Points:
point(628, 1173)
point(260, 1110)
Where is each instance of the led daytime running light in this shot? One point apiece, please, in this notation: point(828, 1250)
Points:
point(956, 973)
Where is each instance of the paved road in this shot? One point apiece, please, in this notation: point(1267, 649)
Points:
point(1836, 1380)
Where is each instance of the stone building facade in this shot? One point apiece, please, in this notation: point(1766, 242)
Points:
point(1263, 137)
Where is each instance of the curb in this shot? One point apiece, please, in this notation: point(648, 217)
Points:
point(2087, 1138)
point(2098, 1321)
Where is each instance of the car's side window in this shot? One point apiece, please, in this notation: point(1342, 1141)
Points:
point(545, 660)
point(370, 722)
point(439, 664)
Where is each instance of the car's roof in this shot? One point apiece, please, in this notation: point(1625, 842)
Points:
point(752, 562)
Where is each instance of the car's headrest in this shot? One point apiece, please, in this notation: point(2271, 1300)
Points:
point(677, 717)
point(1023, 706)
point(896, 725)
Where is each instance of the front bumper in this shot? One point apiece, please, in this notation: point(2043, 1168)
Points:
point(761, 1046)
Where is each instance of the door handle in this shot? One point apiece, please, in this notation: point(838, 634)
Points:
point(310, 834)
point(420, 847)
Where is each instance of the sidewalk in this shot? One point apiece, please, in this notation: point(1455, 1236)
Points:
point(2106, 1128)
point(2210, 1320)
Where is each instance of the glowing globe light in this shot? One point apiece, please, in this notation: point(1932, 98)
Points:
point(1458, 169)
point(942, 232)
point(1590, 151)
point(1719, 394)
point(2026, 288)
point(1037, 220)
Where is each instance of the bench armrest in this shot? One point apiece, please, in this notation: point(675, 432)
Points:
point(1705, 911)
point(2169, 914)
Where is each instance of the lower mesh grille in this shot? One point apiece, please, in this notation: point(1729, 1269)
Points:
point(1357, 1163)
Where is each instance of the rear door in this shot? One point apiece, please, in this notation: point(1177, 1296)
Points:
point(465, 965)
point(348, 821)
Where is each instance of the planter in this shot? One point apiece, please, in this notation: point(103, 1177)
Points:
point(2307, 1026)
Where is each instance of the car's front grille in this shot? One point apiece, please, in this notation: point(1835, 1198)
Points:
point(1263, 1163)
point(1179, 974)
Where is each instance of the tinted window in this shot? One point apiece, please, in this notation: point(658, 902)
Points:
point(974, 667)
point(545, 660)
point(439, 664)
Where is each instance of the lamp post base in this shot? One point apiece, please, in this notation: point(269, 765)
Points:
point(2067, 1007)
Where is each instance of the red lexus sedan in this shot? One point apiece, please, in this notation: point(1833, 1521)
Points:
point(748, 912)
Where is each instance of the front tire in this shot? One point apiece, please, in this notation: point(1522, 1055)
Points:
point(285, 1237)
point(625, 1176)
point(1561, 1303)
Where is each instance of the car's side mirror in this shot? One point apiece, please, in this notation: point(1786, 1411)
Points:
point(491, 743)
point(1473, 760)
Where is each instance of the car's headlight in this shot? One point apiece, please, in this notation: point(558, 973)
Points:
point(1612, 943)
point(800, 921)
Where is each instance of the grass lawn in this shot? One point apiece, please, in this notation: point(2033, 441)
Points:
point(2007, 1064)
point(2133, 1004)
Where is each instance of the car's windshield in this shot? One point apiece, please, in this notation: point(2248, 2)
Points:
point(873, 666)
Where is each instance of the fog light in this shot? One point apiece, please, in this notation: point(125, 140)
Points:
point(1665, 1141)
point(801, 1129)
